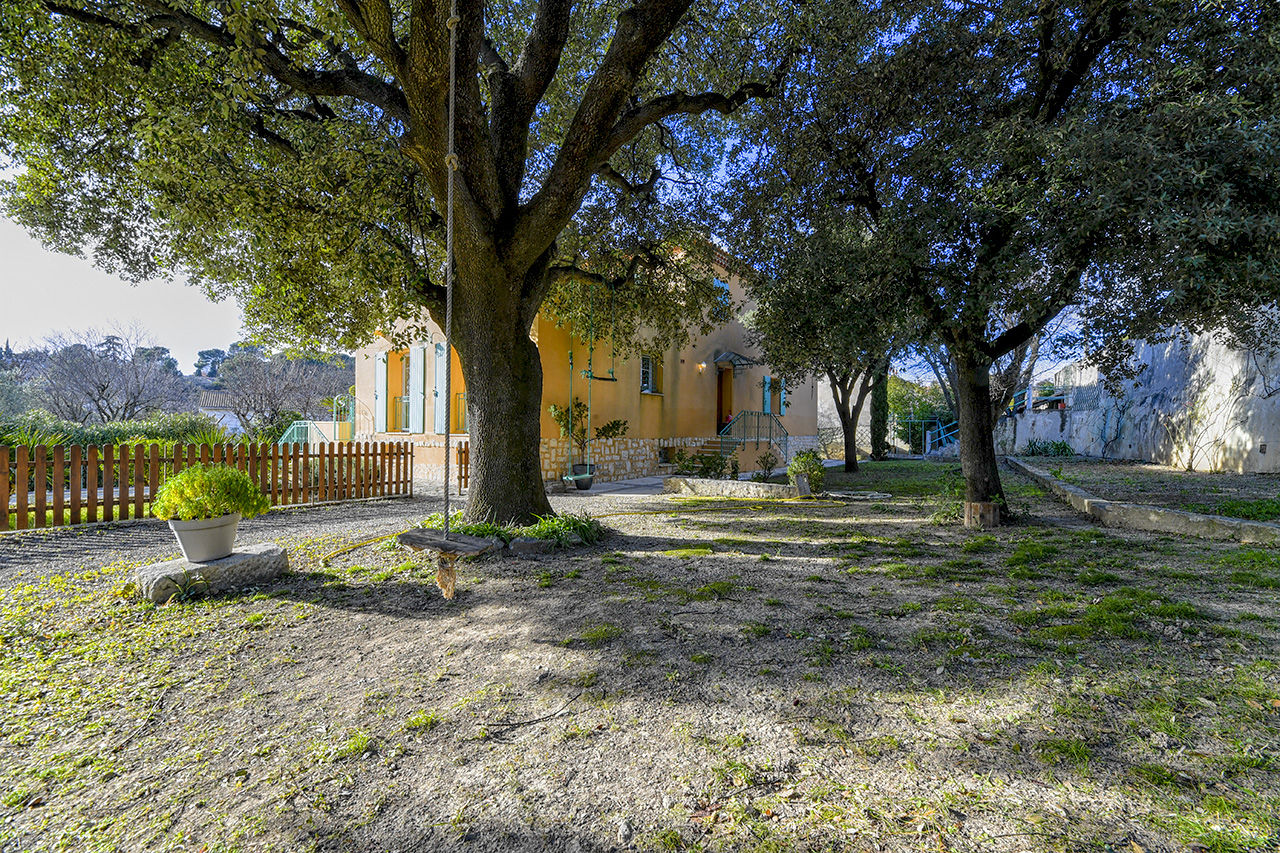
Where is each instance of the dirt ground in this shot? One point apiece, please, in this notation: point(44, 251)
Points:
point(1142, 482)
point(716, 675)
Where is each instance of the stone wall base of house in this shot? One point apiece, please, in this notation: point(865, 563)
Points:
point(615, 459)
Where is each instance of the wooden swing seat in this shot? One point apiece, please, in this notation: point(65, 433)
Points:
point(447, 552)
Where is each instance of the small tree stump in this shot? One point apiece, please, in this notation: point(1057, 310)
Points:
point(447, 552)
point(981, 514)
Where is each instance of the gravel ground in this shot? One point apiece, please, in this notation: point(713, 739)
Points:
point(1143, 482)
point(713, 676)
point(27, 556)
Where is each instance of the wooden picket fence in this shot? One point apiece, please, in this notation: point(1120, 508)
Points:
point(462, 454)
point(51, 486)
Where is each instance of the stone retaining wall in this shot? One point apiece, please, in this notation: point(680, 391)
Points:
point(728, 488)
point(615, 459)
point(1153, 518)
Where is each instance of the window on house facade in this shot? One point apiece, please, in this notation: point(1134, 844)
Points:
point(650, 375)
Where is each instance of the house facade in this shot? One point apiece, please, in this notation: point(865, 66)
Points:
point(678, 398)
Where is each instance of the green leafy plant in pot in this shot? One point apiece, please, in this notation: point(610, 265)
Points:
point(573, 425)
point(204, 504)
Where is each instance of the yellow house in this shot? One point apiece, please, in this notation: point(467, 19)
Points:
point(712, 396)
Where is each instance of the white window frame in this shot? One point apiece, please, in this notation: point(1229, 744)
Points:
point(648, 375)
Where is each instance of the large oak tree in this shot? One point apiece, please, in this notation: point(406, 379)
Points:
point(292, 153)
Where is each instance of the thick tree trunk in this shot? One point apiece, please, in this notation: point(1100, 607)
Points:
point(880, 415)
point(503, 373)
point(850, 443)
point(984, 497)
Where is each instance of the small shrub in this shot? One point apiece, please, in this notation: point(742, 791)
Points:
point(1040, 447)
point(562, 528)
point(767, 462)
point(710, 466)
point(209, 491)
point(808, 462)
point(572, 422)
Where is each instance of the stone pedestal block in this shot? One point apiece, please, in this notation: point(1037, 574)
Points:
point(250, 566)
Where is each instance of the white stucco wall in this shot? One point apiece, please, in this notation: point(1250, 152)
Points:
point(1198, 403)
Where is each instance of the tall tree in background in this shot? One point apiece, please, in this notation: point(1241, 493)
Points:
point(1016, 158)
point(880, 416)
point(265, 393)
point(208, 361)
point(823, 307)
point(293, 153)
point(91, 377)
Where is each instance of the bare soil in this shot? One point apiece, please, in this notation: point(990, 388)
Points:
point(1143, 482)
point(717, 675)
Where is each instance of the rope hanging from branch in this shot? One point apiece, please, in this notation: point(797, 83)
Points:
point(451, 166)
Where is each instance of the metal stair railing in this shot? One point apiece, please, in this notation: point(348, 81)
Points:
point(942, 436)
point(298, 432)
point(751, 426)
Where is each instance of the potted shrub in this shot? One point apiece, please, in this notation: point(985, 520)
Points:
point(573, 425)
point(204, 504)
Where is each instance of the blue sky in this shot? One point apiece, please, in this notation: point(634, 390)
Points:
point(43, 292)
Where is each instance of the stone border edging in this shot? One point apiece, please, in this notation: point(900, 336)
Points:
point(1148, 517)
point(727, 488)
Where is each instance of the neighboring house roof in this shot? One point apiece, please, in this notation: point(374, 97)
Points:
point(215, 401)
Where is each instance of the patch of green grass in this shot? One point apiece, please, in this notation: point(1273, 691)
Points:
point(1097, 577)
point(598, 635)
point(358, 742)
point(1072, 750)
point(1216, 832)
point(17, 797)
point(702, 657)
point(713, 591)
point(1029, 552)
point(563, 529)
point(1257, 579)
point(1156, 775)
point(686, 553)
point(1041, 615)
point(980, 544)
point(1259, 509)
point(422, 721)
point(755, 630)
point(956, 603)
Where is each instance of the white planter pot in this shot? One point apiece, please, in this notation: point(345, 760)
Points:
point(206, 539)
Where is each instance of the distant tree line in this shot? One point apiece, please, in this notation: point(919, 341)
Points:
point(94, 377)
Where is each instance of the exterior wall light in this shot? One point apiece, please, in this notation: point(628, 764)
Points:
point(702, 365)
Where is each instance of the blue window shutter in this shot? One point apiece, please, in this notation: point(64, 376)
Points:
point(766, 407)
point(782, 396)
point(417, 390)
point(442, 364)
point(380, 401)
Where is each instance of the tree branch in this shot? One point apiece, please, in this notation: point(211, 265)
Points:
point(351, 83)
point(620, 181)
point(679, 103)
